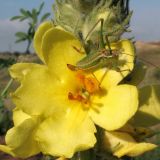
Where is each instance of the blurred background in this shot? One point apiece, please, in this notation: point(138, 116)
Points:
point(145, 22)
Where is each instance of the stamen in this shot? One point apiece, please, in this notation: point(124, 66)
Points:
point(71, 96)
point(80, 77)
point(77, 97)
point(86, 87)
point(91, 85)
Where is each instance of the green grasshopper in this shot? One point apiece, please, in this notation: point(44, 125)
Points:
point(102, 58)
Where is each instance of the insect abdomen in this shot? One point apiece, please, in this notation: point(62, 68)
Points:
point(89, 60)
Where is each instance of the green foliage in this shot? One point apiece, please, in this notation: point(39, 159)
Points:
point(81, 15)
point(5, 113)
point(33, 18)
point(5, 118)
point(6, 62)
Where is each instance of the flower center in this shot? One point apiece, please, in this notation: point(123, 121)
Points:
point(88, 85)
point(81, 97)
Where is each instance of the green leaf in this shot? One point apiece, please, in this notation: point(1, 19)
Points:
point(23, 18)
point(34, 15)
point(21, 40)
point(31, 25)
point(21, 34)
point(29, 14)
point(34, 12)
point(15, 18)
point(44, 17)
point(33, 18)
point(24, 12)
point(40, 8)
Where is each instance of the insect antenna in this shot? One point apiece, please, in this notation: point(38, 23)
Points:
point(80, 35)
point(143, 60)
point(91, 30)
point(101, 34)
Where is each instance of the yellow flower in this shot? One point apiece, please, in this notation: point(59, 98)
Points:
point(67, 104)
point(123, 142)
point(20, 139)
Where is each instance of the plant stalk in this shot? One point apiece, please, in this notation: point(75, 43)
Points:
point(28, 47)
point(4, 92)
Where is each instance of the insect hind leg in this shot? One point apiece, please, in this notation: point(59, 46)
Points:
point(123, 70)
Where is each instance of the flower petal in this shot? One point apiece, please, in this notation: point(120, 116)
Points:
point(136, 149)
point(19, 116)
point(42, 29)
point(58, 48)
point(19, 70)
point(40, 92)
point(112, 76)
point(149, 111)
point(108, 78)
point(126, 56)
point(65, 135)
point(20, 140)
point(7, 150)
point(122, 144)
point(113, 109)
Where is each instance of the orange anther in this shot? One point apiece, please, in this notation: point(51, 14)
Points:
point(71, 96)
point(77, 97)
point(80, 77)
point(91, 84)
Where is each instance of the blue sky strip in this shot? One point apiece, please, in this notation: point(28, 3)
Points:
point(145, 22)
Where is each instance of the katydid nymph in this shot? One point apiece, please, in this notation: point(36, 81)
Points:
point(102, 57)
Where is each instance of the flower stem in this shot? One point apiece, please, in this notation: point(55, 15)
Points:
point(4, 92)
